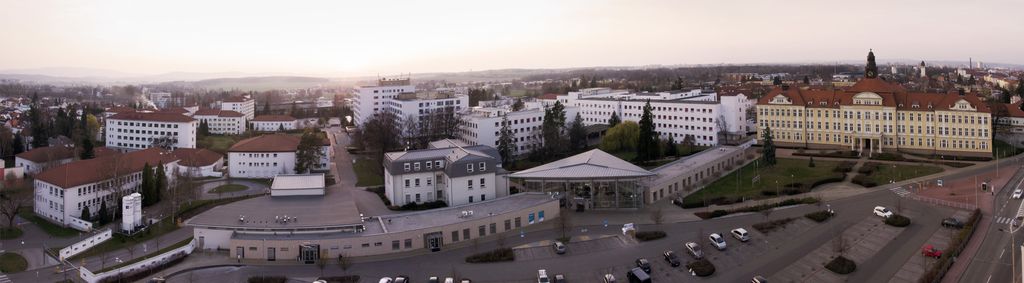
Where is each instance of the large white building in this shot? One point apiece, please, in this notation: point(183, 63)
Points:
point(451, 173)
point(267, 156)
point(62, 192)
point(241, 104)
point(273, 123)
point(40, 158)
point(698, 113)
point(222, 122)
point(141, 130)
point(368, 100)
point(419, 106)
point(482, 126)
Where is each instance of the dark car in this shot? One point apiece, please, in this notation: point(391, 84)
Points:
point(638, 275)
point(952, 223)
point(671, 258)
point(642, 263)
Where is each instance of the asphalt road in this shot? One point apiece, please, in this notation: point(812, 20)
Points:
point(994, 259)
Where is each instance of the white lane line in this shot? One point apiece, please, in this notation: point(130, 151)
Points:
point(1001, 252)
point(989, 278)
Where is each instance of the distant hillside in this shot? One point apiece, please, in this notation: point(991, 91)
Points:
point(260, 83)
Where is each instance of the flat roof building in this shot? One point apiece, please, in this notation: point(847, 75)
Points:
point(298, 185)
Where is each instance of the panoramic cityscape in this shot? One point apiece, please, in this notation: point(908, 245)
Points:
point(532, 141)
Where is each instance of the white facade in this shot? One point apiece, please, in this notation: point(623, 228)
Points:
point(160, 99)
point(134, 131)
point(483, 125)
point(456, 175)
point(369, 99)
point(417, 107)
point(131, 212)
point(676, 113)
point(223, 122)
point(259, 165)
point(245, 105)
point(273, 126)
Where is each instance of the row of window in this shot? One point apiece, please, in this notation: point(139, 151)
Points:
point(903, 141)
point(888, 116)
point(151, 125)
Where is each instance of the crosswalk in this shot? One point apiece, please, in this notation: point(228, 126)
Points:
point(1003, 220)
point(4, 279)
point(900, 191)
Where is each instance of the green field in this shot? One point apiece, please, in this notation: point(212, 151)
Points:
point(218, 143)
point(738, 185)
point(49, 228)
point(12, 263)
point(228, 188)
point(10, 233)
point(888, 172)
point(366, 173)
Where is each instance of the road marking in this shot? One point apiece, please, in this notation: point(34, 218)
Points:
point(989, 278)
point(1003, 220)
point(900, 191)
point(1001, 253)
point(4, 279)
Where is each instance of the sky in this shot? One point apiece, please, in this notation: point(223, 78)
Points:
point(339, 38)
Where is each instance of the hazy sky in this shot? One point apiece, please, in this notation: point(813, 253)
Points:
point(387, 37)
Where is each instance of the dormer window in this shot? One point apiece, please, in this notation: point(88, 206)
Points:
point(824, 103)
point(483, 166)
point(406, 167)
point(469, 168)
point(416, 166)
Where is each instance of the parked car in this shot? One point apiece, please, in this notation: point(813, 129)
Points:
point(952, 223)
point(1017, 193)
point(542, 276)
point(466, 280)
point(559, 278)
point(559, 247)
point(930, 251)
point(386, 280)
point(449, 280)
point(759, 279)
point(740, 234)
point(608, 278)
point(717, 240)
point(638, 275)
point(881, 211)
point(694, 250)
point(402, 279)
point(671, 258)
point(643, 264)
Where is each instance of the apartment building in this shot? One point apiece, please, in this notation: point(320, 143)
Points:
point(62, 192)
point(140, 130)
point(268, 155)
point(482, 125)
point(452, 173)
point(368, 100)
point(273, 123)
point(874, 116)
point(242, 104)
point(222, 122)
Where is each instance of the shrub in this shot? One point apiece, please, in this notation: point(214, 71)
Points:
point(841, 265)
point(819, 216)
point(864, 181)
point(868, 168)
point(423, 206)
point(498, 255)
point(897, 220)
point(719, 213)
point(768, 193)
point(766, 227)
point(834, 179)
point(645, 236)
point(702, 267)
point(844, 167)
point(268, 279)
point(888, 156)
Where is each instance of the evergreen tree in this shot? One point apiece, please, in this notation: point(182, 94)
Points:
point(19, 144)
point(811, 163)
point(308, 154)
point(506, 143)
point(104, 214)
point(85, 214)
point(552, 130)
point(147, 186)
point(777, 81)
point(87, 150)
point(670, 147)
point(266, 106)
point(768, 150)
point(614, 120)
point(807, 80)
point(39, 137)
point(160, 182)
point(518, 105)
point(577, 134)
point(647, 145)
point(295, 109)
point(280, 128)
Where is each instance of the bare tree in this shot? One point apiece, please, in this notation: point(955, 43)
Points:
point(657, 216)
point(840, 245)
point(767, 213)
point(344, 262)
point(565, 222)
point(11, 204)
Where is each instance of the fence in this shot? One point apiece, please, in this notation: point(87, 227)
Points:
point(943, 202)
point(84, 245)
point(935, 274)
point(140, 266)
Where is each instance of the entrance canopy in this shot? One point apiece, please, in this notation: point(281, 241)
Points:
point(594, 164)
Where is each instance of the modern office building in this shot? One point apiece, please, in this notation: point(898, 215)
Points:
point(222, 122)
point(141, 130)
point(242, 104)
point(482, 125)
point(368, 100)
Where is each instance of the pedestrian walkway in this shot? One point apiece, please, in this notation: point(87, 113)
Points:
point(1003, 220)
point(4, 279)
point(900, 191)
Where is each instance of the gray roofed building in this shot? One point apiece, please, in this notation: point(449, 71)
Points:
point(449, 172)
point(589, 180)
point(594, 164)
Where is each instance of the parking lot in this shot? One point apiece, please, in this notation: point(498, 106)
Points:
point(918, 264)
point(544, 250)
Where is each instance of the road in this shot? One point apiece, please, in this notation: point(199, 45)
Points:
point(993, 261)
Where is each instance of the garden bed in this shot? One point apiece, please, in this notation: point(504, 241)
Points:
point(702, 267)
point(841, 265)
point(499, 255)
point(819, 216)
point(897, 220)
point(755, 208)
point(770, 226)
point(645, 236)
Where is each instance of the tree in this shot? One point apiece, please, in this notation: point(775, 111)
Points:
point(647, 144)
point(92, 126)
point(19, 144)
point(807, 80)
point(811, 163)
point(295, 109)
point(37, 121)
point(308, 154)
point(506, 143)
point(1020, 89)
point(565, 222)
point(768, 149)
point(776, 80)
point(378, 135)
point(160, 182)
point(147, 185)
point(577, 134)
point(670, 147)
point(87, 150)
point(204, 128)
point(86, 214)
point(518, 105)
point(621, 137)
point(104, 214)
point(689, 141)
point(266, 106)
point(552, 130)
point(10, 205)
point(614, 120)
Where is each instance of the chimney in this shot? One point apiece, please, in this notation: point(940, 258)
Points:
point(785, 87)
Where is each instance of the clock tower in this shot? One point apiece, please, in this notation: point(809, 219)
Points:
point(871, 71)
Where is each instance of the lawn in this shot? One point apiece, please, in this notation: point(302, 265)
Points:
point(228, 188)
point(12, 263)
point(1002, 149)
point(887, 172)
point(773, 179)
point(10, 233)
point(47, 227)
point(366, 173)
point(218, 143)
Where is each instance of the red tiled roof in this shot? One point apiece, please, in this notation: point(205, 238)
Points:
point(47, 154)
point(267, 143)
point(548, 96)
point(195, 157)
point(1013, 110)
point(217, 112)
point(893, 95)
point(152, 116)
point(89, 171)
point(273, 118)
point(104, 151)
point(119, 109)
point(173, 110)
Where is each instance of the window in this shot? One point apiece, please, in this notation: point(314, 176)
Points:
point(406, 167)
point(417, 166)
point(483, 197)
point(471, 199)
point(469, 184)
point(540, 215)
point(408, 243)
point(483, 231)
point(417, 182)
point(438, 164)
point(455, 236)
point(395, 245)
point(508, 224)
point(378, 244)
point(406, 183)
point(469, 167)
point(519, 222)
point(530, 218)
point(465, 234)
point(417, 197)
point(494, 228)
point(483, 166)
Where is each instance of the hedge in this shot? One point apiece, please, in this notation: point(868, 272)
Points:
point(341, 279)
point(645, 236)
point(755, 208)
point(897, 220)
point(887, 156)
point(770, 226)
point(956, 245)
point(268, 279)
point(498, 255)
point(833, 154)
point(864, 181)
point(423, 206)
point(839, 177)
point(819, 216)
point(841, 265)
point(702, 267)
point(844, 167)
